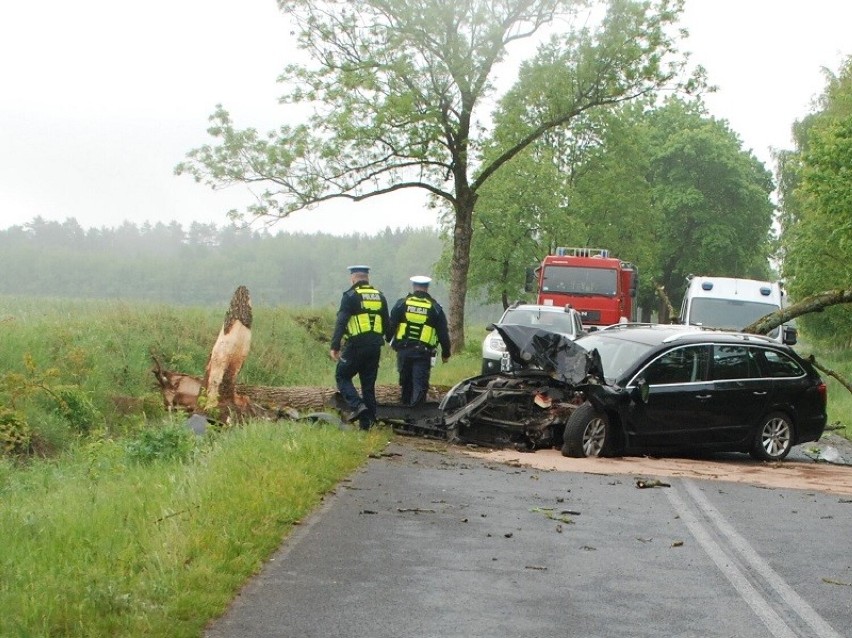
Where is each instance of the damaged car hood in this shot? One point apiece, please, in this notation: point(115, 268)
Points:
point(554, 353)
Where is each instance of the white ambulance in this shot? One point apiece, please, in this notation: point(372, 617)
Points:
point(728, 303)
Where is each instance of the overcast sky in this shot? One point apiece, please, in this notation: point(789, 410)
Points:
point(100, 99)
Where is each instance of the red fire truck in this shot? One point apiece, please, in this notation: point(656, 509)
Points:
point(600, 287)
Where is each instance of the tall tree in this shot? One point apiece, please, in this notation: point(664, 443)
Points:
point(398, 88)
point(711, 197)
point(816, 200)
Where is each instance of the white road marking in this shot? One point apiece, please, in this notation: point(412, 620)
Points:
point(759, 605)
point(736, 576)
point(741, 545)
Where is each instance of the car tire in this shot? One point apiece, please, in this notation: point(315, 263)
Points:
point(587, 433)
point(774, 438)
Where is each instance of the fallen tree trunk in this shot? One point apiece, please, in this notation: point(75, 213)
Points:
point(181, 392)
point(814, 303)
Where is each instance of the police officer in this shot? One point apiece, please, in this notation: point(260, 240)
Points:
point(418, 324)
point(363, 319)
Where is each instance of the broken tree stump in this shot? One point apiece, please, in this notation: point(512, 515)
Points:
point(229, 353)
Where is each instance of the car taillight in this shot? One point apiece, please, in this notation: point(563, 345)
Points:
point(822, 390)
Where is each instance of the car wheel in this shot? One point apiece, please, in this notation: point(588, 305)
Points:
point(587, 433)
point(774, 438)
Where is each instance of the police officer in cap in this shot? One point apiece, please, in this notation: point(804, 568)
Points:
point(363, 320)
point(418, 324)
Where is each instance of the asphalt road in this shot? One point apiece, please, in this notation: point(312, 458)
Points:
point(425, 542)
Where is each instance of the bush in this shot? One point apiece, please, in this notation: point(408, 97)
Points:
point(169, 442)
point(15, 434)
point(78, 409)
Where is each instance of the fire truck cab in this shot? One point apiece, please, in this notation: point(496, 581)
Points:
point(600, 287)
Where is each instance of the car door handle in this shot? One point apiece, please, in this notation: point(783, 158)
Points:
point(703, 396)
point(759, 394)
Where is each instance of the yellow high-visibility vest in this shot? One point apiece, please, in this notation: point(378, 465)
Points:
point(414, 327)
point(369, 319)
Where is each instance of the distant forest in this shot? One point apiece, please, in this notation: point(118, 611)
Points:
point(202, 265)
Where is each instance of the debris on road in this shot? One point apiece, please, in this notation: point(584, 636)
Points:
point(643, 484)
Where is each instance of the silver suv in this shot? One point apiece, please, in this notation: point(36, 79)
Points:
point(562, 320)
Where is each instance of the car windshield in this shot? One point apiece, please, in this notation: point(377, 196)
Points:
point(617, 354)
point(580, 281)
point(554, 321)
point(729, 314)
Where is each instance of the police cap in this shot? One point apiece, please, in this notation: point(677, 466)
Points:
point(359, 268)
point(421, 280)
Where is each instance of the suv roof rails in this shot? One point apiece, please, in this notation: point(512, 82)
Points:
point(632, 324)
point(742, 336)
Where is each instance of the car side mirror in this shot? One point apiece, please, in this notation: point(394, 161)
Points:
point(489, 327)
point(643, 390)
point(791, 335)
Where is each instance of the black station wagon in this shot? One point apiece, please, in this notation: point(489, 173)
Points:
point(677, 388)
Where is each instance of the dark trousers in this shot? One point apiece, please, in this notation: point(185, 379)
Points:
point(414, 366)
point(363, 360)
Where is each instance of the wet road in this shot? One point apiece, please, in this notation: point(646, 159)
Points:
point(426, 542)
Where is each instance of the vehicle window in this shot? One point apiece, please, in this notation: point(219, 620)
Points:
point(728, 314)
point(682, 365)
point(617, 355)
point(545, 319)
point(776, 364)
point(580, 280)
point(734, 362)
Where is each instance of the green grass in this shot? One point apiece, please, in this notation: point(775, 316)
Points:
point(96, 545)
point(839, 398)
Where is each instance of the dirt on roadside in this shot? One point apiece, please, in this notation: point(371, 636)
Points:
point(799, 472)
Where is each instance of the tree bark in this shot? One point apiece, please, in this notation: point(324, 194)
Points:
point(665, 302)
point(229, 353)
point(814, 303)
point(460, 266)
point(181, 391)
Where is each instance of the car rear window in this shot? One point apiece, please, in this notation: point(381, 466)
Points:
point(777, 364)
point(734, 362)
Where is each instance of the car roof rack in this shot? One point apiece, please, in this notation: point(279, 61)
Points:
point(634, 324)
point(741, 336)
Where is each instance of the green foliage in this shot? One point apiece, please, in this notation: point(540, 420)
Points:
point(713, 197)
point(15, 434)
point(169, 442)
point(816, 197)
point(77, 408)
